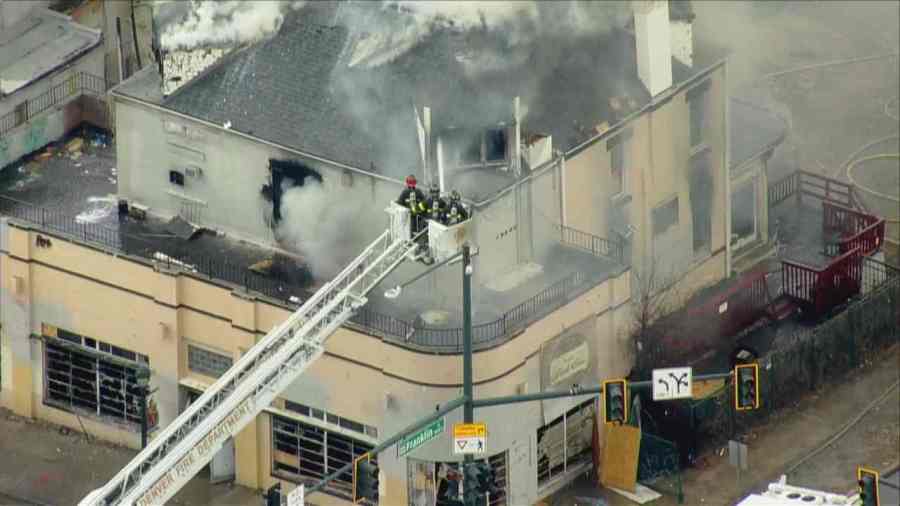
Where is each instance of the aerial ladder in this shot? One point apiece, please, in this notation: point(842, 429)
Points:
point(172, 458)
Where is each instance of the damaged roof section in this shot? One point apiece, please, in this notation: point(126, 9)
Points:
point(320, 87)
point(38, 44)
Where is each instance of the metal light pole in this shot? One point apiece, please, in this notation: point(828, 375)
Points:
point(143, 384)
point(468, 408)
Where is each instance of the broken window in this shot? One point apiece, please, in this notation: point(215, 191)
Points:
point(665, 216)
point(303, 451)
point(701, 187)
point(286, 173)
point(565, 442)
point(176, 177)
point(496, 145)
point(697, 99)
point(743, 212)
point(207, 362)
point(88, 381)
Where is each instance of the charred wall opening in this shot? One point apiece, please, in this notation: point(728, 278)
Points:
point(284, 175)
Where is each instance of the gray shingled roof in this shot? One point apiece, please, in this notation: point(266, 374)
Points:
point(279, 90)
point(295, 89)
point(753, 130)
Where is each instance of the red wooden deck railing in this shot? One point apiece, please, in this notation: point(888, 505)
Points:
point(820, 290)
point(719, 315)
point(802, 183)
point(868, 240)
point(856, 229)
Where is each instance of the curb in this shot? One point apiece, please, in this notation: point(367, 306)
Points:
point(25, 500)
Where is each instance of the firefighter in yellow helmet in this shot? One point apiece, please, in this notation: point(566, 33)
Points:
point(456, 212)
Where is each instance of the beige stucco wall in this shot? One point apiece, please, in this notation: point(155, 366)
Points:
point(127, 303)
point(658, 164)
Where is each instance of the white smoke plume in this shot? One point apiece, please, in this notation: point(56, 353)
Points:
point(219, 22)
point(326, 229)
point(386, 30)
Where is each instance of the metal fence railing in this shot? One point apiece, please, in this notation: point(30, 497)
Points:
point(450, 340)
point(76, 84)
point(598, 246)
point(413, 334)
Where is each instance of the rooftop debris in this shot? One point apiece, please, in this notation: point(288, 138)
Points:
point(162, 257)
point(262, 267)
point(75, 145)
point(182, 229)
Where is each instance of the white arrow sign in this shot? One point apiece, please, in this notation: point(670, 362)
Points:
point(673, 383)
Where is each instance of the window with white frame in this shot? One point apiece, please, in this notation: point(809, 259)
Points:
point(566, 442)
point(665, 216)
point(91, 376)
point(304, 452)
point(744, 214)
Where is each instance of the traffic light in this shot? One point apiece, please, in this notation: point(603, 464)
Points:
point(867, 480)
point(487, 479)
point(273, 495)
point(471, 474)
point(615, 395)
point(365, 479)
point(746, 386)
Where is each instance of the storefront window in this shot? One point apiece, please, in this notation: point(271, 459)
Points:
point(438, 483)
point(565, 442)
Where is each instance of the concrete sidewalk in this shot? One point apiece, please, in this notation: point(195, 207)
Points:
point(790, 435)
point(41, 464)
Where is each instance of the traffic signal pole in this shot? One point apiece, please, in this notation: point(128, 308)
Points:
point(578, 390)
point(418, 424)
point(468, 407)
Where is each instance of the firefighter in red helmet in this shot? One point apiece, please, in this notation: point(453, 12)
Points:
point(413, 199)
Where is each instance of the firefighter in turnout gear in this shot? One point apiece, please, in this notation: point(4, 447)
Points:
point(437, 206)
point(413, 199)
point(456, 213)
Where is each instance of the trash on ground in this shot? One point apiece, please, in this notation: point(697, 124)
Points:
point(75, 145)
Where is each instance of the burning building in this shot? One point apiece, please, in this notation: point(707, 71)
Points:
point(592, 153)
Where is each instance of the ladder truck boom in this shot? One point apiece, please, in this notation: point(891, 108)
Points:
point(172, 458)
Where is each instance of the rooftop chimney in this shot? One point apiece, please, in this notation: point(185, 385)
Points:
point(653, 38)
point(681, 13)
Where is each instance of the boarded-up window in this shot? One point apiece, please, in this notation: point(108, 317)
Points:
point(665, 216)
